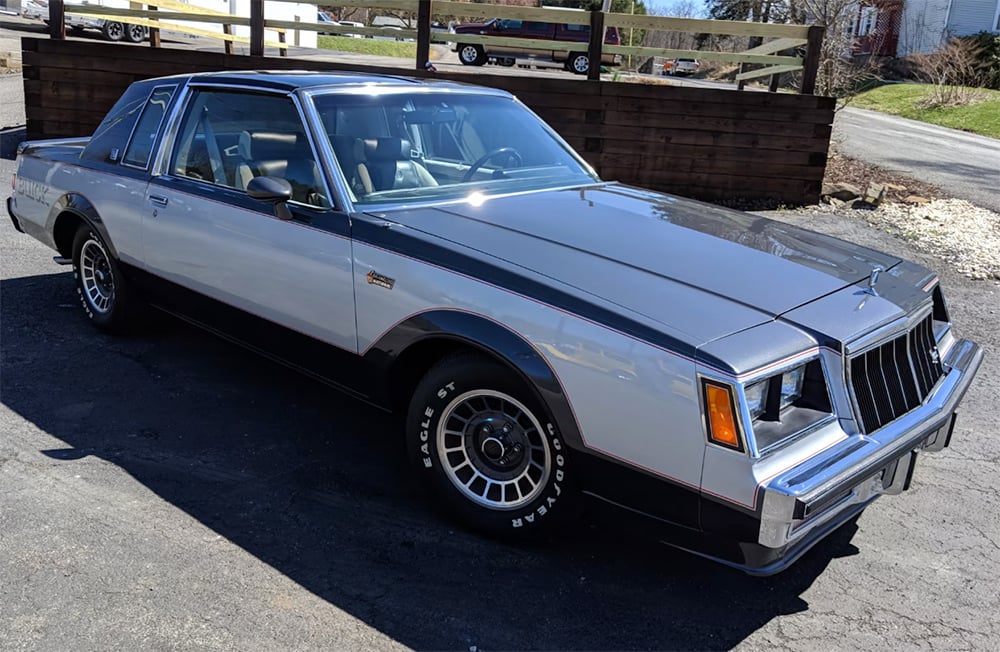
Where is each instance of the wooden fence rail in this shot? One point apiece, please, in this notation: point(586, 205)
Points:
point(705, 143)
point(777, 56)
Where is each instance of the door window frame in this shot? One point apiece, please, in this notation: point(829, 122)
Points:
point(186, 96)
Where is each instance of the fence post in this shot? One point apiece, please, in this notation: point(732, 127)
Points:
point(596, 44)
point(810, 64)
point(154, 32)
point(256, 28)
point(57, 20)
point(423, 33)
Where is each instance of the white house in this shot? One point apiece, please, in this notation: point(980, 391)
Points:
point(926, 24)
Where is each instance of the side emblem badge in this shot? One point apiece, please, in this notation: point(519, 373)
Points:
point(374, 278)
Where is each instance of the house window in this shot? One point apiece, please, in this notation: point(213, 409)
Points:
point(866, 20)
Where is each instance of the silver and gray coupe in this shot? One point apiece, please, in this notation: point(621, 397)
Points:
point(436, 249)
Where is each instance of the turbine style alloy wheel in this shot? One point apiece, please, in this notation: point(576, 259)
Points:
point(96, 276)
point(105, 293)
point(483, 441)
point(493, 450)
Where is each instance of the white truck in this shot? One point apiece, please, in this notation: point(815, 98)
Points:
point(112, 30)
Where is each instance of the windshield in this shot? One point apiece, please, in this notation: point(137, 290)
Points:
point(404, 147)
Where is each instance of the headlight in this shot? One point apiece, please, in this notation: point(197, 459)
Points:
point(756, 396)
point(791, 385)
point(786, 404)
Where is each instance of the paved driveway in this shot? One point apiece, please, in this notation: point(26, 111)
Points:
point(171, 491)
point(964, 165)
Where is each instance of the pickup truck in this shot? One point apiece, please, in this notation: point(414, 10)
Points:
point(548, 338)
point(528, 32)
point(111, 30)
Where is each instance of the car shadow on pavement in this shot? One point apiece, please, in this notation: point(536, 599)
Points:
point(315, 485)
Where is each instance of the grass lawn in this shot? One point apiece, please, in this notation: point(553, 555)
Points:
point(903, 99)
point(377, 47)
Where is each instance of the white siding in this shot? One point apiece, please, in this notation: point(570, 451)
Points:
point(924, 26)
point(971, 16)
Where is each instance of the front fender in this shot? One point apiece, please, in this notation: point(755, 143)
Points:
point(392, 349)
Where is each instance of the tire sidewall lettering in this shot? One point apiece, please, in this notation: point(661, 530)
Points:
point(430, 406)
point(545, 502)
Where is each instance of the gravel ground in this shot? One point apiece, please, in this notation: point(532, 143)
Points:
point(962, 235)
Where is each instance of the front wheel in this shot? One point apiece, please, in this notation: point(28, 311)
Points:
point(488, 448)
point(579, 63)
point(104, 292)
point(472, 55)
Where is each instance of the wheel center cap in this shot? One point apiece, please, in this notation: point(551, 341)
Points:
point(493, 449)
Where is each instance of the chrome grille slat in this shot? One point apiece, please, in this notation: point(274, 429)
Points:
point(890, 379)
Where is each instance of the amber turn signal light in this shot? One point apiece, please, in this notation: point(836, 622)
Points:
point(721, 418)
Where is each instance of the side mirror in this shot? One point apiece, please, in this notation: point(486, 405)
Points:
point(272, 189)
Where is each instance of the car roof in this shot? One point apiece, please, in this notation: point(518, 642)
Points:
point(293, 80)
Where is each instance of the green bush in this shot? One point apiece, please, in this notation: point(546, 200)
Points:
point(987, 48)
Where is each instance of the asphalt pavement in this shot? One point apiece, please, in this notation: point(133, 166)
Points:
point(168, 490)
point(964, 165)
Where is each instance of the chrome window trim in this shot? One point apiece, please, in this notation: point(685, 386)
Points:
point(394, 88)
point(165, 155)
point(382, 208)
point(330, 166)
point(157, 134)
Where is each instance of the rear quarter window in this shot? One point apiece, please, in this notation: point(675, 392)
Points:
point(140, 146)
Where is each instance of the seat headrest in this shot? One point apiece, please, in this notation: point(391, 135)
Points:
point(268, 145)
point(388, 149)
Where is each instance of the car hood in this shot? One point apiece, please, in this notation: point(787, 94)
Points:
point(699, 269)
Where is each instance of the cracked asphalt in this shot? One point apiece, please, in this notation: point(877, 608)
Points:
point(171, 491)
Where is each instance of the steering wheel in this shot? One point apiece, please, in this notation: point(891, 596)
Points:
point(512, 155)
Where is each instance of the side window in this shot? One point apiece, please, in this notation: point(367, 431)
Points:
point(535, 28)
point(510, 23)
point(140, 146)
point(227, 138)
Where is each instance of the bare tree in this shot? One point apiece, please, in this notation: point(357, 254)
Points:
point(953, 70)
point(840, 74)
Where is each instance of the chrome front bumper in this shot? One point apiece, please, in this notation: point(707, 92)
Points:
point(857, 470)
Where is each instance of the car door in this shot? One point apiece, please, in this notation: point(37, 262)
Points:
point(204, 233)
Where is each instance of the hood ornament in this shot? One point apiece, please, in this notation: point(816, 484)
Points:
point(872, 280)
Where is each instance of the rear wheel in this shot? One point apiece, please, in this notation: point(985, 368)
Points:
point(135, 33)
point(113, 31)
point(104, 292)
point(488, 448)
point(471, 55)
point(579, 63)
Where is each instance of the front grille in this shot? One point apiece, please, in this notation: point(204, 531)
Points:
point(895, 377)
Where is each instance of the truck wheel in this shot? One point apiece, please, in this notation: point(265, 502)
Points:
point(104, 292)
point(471, 55)
point(113, 31)
point(579, 63)
point(488, 449)
point(135, 33)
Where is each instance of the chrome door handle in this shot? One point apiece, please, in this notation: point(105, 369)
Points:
point(156, 199)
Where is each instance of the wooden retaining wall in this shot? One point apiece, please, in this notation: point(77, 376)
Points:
point(710, 144)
